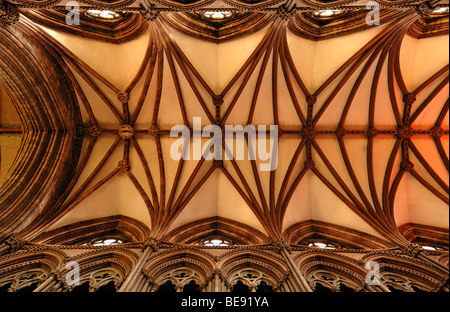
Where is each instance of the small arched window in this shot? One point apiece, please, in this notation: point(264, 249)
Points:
point(103, 15)
point(191, 287)
point(216, 242)
point(345, 288)
point(240, 287)
point(167, 287)
point(394, 289)
point(320, 288)
point(110, 287)
point(327, 13)
point(322, 245)
point(4, 288)
point(218, 15)
point(82, 287)
point(29, 288)
point(107, 241)
point(431, 248)
point(264, 287)
point(417, 289)
point(441, 10)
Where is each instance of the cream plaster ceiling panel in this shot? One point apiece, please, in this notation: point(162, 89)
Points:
point(217, 195)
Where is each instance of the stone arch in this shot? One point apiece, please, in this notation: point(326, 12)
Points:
point(179, 266)
point(126, 228)
point(100, 267)
point(237, 232)
point(26, 280)
point(181, 276)
point(404, 273)
point(28, 267)
point(334, 272)
point(252, 267)
point(302, 233)
point(102, 275)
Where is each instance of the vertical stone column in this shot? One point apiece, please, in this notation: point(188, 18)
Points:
point(286, 286)
point(135, 275)
point(300, 284)
point(53, 283)
point(382, 287)
point(282, 286)
point(153, 287)
point(217, 281)
point(139, 283)
point(147, 284)
point(293, 284)
point(49, 282)
point(364, 287)
point(210, 282)
point(223, 286)
point(58, 285)
point(376, 286)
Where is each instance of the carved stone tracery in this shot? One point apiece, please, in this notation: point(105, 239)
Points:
point(9, 14)
point(150, 14)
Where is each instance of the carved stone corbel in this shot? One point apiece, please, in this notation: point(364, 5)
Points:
point(11, 244)
point(424, 9)
point(286, 14)
point(150, 12)
point(153, 243)
point(281, 244)
point(413, 250)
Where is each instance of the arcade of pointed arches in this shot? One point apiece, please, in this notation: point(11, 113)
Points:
point(211, 268)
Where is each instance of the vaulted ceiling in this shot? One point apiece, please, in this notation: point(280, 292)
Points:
point(361, 110)
point(10, 140)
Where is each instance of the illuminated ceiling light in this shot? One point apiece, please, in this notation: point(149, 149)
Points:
point(432, 248)
point(327, 13)
point(220, 15)
point(322, 245)
point(216, 242)
point(107, 242)
point(103, 14)
point(441, 10)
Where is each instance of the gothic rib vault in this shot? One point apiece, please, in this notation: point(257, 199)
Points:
point(362, 116)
